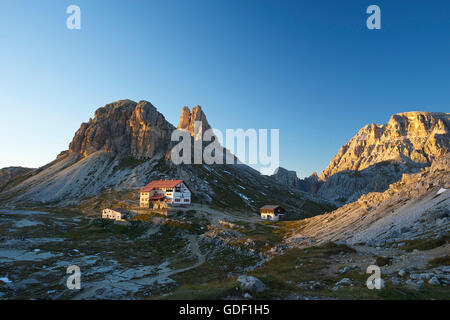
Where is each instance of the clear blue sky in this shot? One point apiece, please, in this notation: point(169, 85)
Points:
point(310, 68)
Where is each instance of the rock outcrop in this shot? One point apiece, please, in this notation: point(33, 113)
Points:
point(416, 138)
point(347, 186)
point(378, 156)
point(188, 119)
point(310, 184)
point(124, 127)
point(250, 283)
point(286, 177)
point(9, 174)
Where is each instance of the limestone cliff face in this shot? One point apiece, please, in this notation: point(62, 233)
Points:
point(286, 177)
point(412, 137)
point(187, 121)
point(124, 127)
point(378, 156)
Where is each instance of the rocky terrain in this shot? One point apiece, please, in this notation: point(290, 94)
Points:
point(394, 179)
point(377, 156)
point(202, 253)
point(416, 207)
point(405, 230)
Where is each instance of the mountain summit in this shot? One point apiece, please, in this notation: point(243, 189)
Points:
point(188, 119)
point(416, 138)
point(377, 156)
point(124, 127)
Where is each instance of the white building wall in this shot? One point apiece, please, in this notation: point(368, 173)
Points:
point(173, 197)
point(270, 217)
point(112, 214)
point(183, 196)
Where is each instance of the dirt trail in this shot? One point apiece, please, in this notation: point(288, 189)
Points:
point(161, 277)
point(193, 244)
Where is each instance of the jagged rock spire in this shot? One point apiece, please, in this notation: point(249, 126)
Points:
point(187, 121)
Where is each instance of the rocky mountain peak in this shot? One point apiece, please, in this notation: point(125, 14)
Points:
point(286, 177)
point(124, 127)
point(187, 121)
point(418, 123)
point(412, 137)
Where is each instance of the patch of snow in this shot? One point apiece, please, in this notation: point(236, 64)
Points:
point(243, 196)
point(5, 280)
point(441, 190)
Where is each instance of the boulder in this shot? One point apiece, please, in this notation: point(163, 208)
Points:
point(434, 281)
point(250, 283)
point(344, 282)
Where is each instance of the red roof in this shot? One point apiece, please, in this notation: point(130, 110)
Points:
point(161, 184)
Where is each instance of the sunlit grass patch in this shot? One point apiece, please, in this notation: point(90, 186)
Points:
point(263, 233)
point(425, 244)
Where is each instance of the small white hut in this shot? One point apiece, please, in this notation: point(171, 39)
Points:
point(114, 214)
